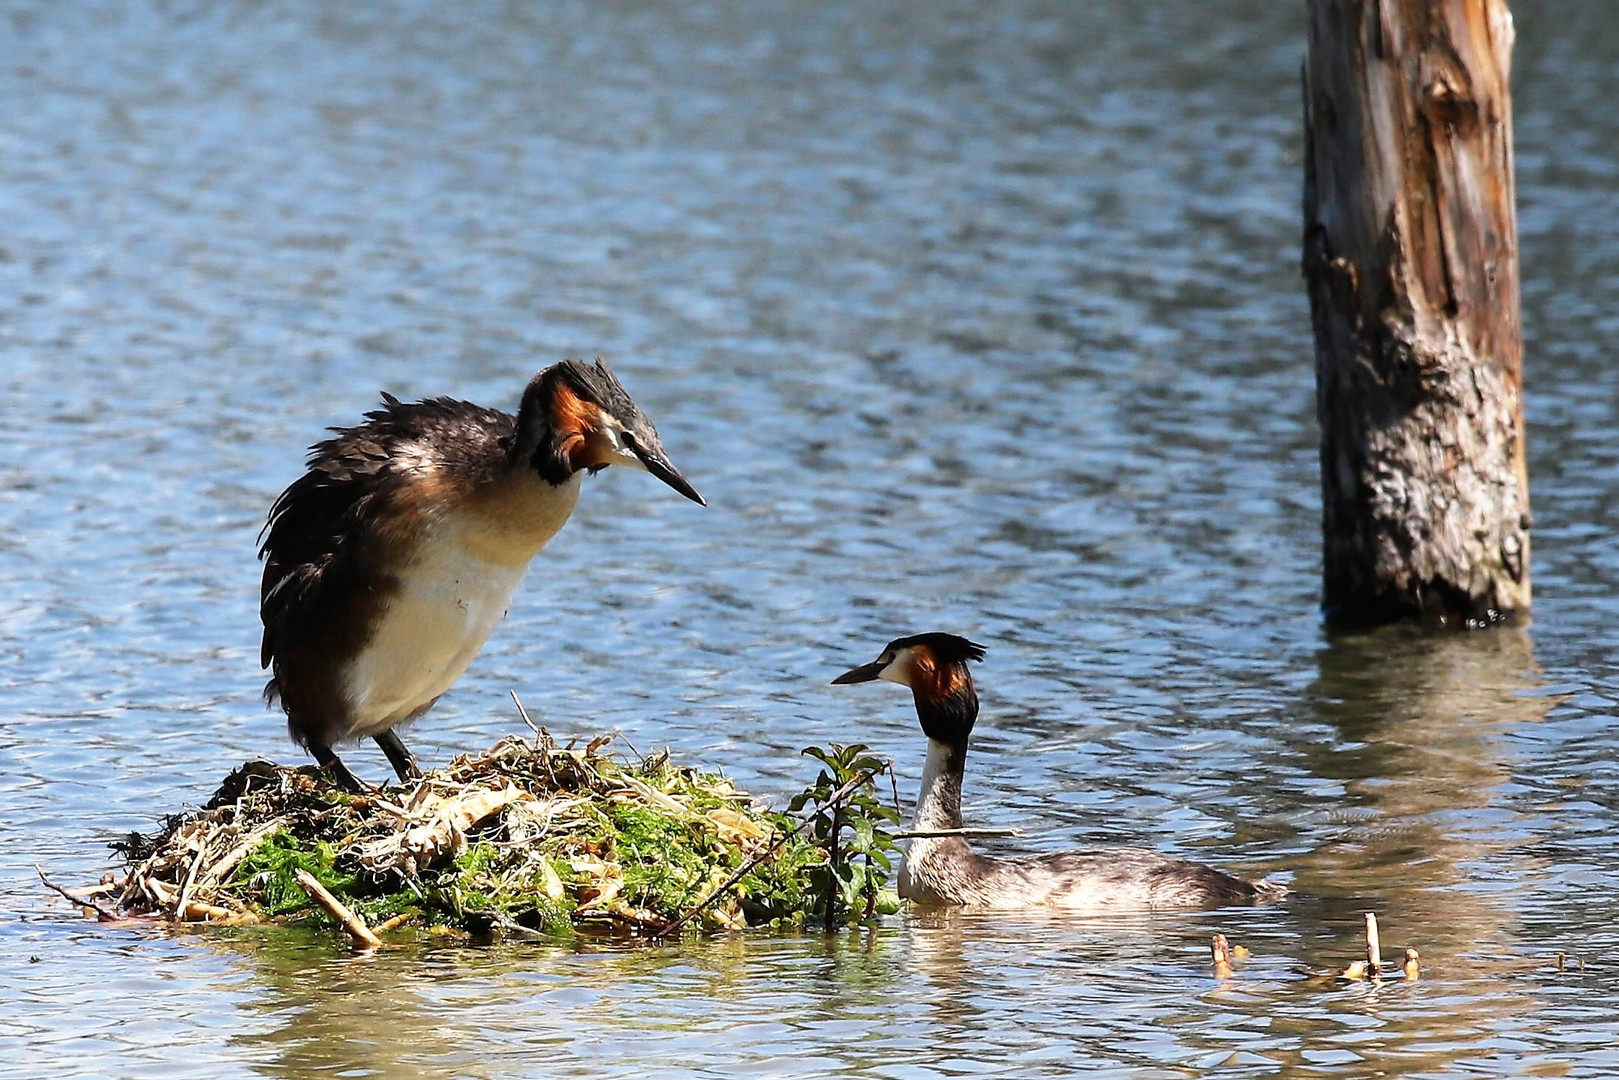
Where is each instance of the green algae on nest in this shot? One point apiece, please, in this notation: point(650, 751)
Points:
point(526, 836)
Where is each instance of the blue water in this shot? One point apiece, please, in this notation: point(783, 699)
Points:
point(964, 318)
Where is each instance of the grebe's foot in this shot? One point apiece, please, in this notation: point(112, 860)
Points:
point(339, 772)
point(403, 761)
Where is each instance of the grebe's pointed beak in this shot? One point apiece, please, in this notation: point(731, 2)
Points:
point(863, 673)
point(660, 466)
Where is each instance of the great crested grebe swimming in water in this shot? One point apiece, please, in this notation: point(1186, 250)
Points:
point(945, 870)
point(387, 564)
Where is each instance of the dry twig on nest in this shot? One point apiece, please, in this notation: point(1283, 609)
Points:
point(361, 933)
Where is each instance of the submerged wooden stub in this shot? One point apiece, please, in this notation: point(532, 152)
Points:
point(1220, 954)
point(1410, 253)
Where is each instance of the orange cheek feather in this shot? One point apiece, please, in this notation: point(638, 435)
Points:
point(936, 681)
point(574, 419)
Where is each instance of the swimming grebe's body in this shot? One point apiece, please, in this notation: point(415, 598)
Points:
point(946, 871)
point(388, 563)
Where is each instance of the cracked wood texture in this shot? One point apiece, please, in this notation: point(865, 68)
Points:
point(1411, 255)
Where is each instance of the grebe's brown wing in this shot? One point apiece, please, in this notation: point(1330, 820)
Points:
point(350, 497)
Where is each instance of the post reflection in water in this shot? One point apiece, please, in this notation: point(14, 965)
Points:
point(1420, 748)
point(1413, 732)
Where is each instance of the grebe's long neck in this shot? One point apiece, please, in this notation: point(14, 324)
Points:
point(947, 706)
point(939, 805)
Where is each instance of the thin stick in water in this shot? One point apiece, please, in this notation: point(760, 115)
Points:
point(927, 834)
point(81, 901)
point(515, 928)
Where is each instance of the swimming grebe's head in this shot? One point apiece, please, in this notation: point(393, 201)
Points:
point(593, 423)
point(934, 666)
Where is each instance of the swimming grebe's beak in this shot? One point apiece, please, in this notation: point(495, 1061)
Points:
point(863, 673)
point(659, 465)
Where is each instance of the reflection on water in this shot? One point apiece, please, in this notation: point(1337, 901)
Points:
point(965, 317)
point(484, 1012)
point(1417, 754)
point(1420, 748)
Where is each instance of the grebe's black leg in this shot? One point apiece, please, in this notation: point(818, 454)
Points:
point(403, 761)
point(338, 771)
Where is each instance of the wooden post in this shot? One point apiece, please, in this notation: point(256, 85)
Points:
point(1411, 255)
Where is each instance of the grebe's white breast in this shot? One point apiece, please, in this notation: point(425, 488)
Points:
point(452, 592)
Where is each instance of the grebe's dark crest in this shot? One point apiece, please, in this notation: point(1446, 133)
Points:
point(390, 560)
point(945, 870)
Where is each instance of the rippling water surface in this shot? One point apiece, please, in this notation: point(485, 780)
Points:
point(963, 317)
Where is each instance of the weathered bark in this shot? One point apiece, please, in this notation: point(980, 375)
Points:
point(1411, 254)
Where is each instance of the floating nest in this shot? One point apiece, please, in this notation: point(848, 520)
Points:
point(528, 838)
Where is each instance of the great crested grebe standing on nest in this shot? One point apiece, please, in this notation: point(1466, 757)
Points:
point(388, 563)
point(946, 871)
